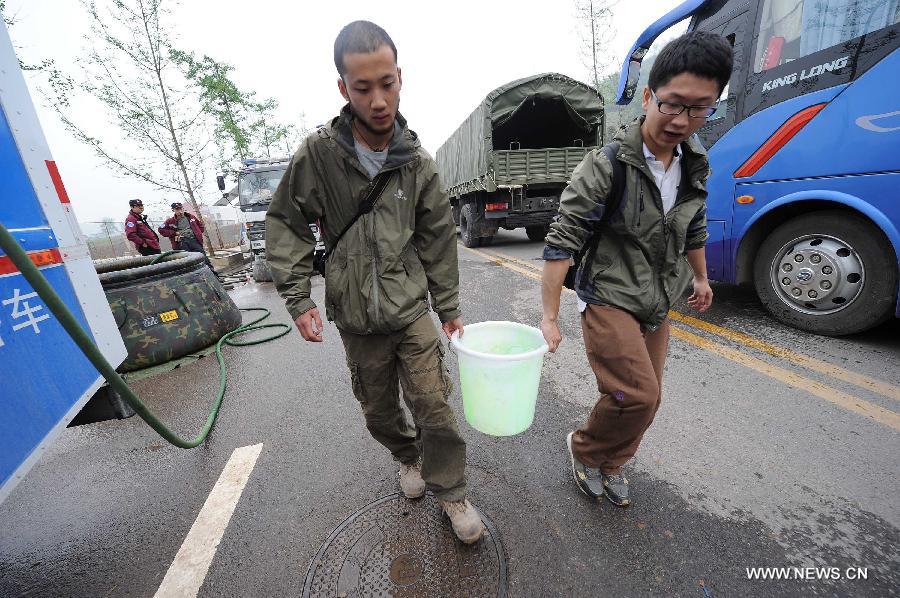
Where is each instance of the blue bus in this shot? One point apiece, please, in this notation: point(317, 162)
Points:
point(804, 197)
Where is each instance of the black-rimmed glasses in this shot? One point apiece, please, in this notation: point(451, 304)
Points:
point(674, 108)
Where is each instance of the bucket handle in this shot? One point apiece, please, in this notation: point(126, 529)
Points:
point(454, 342)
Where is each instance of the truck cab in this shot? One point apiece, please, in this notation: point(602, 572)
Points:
point(257, 180)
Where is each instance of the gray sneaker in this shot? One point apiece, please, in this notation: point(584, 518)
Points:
point(589, 480)
point(616, 487)
point(597, 484)
point(411, 482)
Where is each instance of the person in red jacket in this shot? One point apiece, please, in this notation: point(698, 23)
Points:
point(139, 231)
point(185, 231)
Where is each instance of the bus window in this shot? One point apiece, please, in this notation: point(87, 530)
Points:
point(733, 29)
point(721, 105)
point(792, 29)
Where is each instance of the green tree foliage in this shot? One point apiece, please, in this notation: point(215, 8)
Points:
point(272, 136)
point(244, 126)
point(46, 65)
point(8, 20)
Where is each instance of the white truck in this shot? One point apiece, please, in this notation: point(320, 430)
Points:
point(257, 180)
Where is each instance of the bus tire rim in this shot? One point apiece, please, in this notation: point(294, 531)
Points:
point(817, 274)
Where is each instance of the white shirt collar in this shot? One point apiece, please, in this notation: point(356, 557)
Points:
point(651, 156)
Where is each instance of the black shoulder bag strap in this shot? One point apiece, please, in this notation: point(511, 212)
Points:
point(376, 188)
point(617, 191)
point(613, 202)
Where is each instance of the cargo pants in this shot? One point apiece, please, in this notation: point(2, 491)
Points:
point(628, 363)
point(411, 359)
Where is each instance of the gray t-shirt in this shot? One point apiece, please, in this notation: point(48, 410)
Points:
point(184, 228)
point(371, 161)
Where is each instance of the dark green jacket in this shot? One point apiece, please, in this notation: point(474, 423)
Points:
point(640, 263)
point(378, 277)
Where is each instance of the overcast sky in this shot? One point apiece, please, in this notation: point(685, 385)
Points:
point(451, 55)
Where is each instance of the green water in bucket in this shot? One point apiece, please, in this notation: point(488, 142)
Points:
point(500, 370)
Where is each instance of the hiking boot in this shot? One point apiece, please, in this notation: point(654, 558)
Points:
point(616, 487)
point(589, 479)
point(411, 482)
point(466, 521)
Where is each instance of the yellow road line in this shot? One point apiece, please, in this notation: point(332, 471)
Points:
point(515, 260)
point(506, 261)
point(823, 367)
point(841, 399)
point(870, 384)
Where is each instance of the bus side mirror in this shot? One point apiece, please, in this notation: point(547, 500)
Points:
point(220, 179)
point(633, 77)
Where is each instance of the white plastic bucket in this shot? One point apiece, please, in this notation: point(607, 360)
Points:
point(500, 370)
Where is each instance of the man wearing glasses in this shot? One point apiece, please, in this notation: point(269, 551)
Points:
point(638, 225)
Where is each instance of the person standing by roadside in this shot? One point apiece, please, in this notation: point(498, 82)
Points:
point(380, 272)
point(185, 231)
point(139, 231)
point(640, 250)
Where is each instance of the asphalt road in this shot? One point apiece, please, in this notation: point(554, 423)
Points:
point(773, 448)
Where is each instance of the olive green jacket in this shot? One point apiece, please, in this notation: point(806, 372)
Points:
point(378, 277)
point(640, 263)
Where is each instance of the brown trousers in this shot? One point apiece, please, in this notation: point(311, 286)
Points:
point(411, 358)
point(628, 364)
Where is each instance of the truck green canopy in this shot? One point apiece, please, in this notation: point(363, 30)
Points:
point(538, 112)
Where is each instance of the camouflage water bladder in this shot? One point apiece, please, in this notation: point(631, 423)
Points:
point(166, 310)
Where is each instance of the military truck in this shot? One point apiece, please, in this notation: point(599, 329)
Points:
point(257, 180)
point(507, 163)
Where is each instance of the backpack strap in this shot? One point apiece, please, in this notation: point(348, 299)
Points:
point(614, 201)
point(617, 191)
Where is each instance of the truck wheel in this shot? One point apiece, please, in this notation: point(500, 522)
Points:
point(261, 271)
point(455, 211)
point(536, 233)
point(829, 272)
point(467, 226)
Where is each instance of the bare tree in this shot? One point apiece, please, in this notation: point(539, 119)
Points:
point(163, 119)
point(596, 33)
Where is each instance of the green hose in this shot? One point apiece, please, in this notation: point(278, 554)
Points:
point(37, 281)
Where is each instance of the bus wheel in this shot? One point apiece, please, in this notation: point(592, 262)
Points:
point(467, 227)
point(828, 272)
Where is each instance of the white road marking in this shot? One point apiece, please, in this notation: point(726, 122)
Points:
point(188, 570)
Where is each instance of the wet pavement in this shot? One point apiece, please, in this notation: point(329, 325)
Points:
point(758, 458)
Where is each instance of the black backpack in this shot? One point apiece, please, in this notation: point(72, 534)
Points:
point(617, 192)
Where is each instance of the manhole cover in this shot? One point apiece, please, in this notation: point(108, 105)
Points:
point(405, 548)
